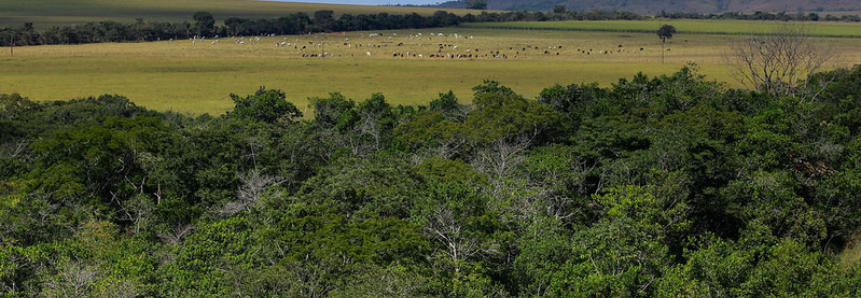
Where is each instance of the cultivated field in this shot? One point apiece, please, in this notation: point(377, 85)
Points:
point(47, 13)
point(197, 76)
point(821, 29)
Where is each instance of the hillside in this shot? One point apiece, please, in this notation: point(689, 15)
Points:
point(700, 6)
point(47, 13)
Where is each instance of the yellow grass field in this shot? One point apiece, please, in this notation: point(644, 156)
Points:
point(197, 76)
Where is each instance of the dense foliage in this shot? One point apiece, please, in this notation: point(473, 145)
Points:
point(671, 186)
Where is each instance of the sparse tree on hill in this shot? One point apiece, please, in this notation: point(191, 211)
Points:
point(476, 4)
point(559, 8)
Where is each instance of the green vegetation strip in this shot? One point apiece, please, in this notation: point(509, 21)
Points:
point(822, 29)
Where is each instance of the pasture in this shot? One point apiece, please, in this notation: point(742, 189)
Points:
point(732, 27)
point(196, 76)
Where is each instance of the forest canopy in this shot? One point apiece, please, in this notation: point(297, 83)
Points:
point(668, 186)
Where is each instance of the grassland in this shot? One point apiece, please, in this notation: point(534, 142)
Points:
point(198, 77)
point(733, 27)
point(47, 13)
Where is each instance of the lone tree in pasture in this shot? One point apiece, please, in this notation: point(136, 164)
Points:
point(665, 32)
point(476, 4)
point(779, 62)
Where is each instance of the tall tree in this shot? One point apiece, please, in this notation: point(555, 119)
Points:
point(665, 32)
point(204, 22)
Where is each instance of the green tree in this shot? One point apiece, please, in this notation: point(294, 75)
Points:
point(665, 32)
point(333, 112)
point(204, 23)
point(268, 106)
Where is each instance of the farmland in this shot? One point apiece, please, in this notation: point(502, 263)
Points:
point(197, 76)
point(658, 184)
point(181, 76)
point(821, 29)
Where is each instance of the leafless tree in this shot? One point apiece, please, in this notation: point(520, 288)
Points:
point(779, 62)
point(254, 187)
point(500, 158)
point(176, 233)
point(73, 279)
point(448, 228)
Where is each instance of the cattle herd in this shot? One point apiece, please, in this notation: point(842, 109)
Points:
point(411, 46)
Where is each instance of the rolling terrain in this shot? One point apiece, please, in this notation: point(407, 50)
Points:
point(47, 13)
point(699, 6)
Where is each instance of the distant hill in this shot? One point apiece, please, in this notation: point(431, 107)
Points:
point(656, 6)
point(46, 13)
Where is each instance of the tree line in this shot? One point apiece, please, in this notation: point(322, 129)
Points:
point(203, 24)
point(668, 186)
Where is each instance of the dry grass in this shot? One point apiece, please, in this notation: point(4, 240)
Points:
point(851, 253)
point(197, 77)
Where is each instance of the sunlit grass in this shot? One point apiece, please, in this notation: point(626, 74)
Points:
point(198, 77)
point(831, 29)
point(851, 253)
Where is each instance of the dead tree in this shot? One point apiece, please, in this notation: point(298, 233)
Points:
point(779, 62)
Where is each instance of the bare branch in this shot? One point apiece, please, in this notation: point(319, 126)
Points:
point(780, 61)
